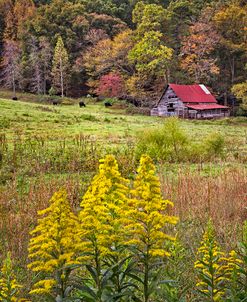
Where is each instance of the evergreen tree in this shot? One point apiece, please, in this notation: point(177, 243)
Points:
point(60, 67)
point(36, 68)
point(39, 64)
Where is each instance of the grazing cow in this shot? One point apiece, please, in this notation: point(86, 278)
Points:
point(14, 98)
point(55, 103)
point(108, 104)
point(82, 104)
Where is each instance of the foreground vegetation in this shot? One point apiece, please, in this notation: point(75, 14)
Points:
point(44, 148)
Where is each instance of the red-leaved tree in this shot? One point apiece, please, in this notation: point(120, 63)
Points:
point(111, 85)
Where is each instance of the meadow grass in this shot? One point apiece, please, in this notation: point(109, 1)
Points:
point(95, 119)
point(45, 147)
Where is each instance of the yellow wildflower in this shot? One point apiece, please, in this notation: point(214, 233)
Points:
point(52, 247)
point(9, 287)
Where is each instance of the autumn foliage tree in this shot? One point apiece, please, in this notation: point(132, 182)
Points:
point(11, 65)
point(108, 56)
point(240, 90)
point(111, 85)
point(18, 12)
point(231, 23)
point(197, 49)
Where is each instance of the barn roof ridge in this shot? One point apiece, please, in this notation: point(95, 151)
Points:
point(195, 93)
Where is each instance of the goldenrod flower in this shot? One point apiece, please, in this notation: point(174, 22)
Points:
point(52, 247)
point(9, 287)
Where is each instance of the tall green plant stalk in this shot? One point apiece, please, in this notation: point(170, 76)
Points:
point(146, 223)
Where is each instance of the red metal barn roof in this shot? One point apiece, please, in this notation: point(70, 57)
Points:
point(206, 106)
point(193, 93)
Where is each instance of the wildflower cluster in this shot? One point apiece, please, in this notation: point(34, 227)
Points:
point(146, 217)
point(52, 248)
point(215, 270)
point(146, 223)
point(116, 247)
point(9, 287)
point(115, 221)
point(101, 209)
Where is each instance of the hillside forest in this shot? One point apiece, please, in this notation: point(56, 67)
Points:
point(123, 48)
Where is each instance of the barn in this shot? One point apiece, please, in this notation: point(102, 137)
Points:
point(189, 101)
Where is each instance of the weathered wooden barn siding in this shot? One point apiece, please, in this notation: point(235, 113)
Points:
point(168, 105)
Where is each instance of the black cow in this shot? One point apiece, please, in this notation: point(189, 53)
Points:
point(82, 104)
point(108, 104)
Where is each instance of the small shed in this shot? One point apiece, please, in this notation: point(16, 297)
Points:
point(189, 101)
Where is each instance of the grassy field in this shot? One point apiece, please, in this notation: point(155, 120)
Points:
point(44, 147)
point(95, 119)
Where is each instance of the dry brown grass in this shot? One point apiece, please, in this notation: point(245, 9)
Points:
point(197, 197)
point(19, 210)
point(222, 198)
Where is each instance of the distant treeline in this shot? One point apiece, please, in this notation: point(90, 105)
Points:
point(122, 48)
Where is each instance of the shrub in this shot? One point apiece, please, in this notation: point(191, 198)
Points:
point(214, 145)
point(170, 143)
point(89, 117)
point(138, 110)
point(167, 143)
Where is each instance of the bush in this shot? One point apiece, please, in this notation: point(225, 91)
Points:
point(138, 110)
point(168, 143)
point(89, 117)
point(214, 145)
point(67, 101)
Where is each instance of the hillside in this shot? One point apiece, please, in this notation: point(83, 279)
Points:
point(119, 48)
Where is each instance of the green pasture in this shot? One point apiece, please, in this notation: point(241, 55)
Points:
point(106, 124)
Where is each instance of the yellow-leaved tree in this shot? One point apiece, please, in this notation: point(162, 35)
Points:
point(9, 287)
point(101, 228)
point(52, 248)
point(146, 226)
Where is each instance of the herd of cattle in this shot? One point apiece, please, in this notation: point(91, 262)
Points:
point(81, 103)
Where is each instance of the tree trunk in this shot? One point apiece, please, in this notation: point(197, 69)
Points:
point(44, 84)
point(61, 77)
point(13, 82)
